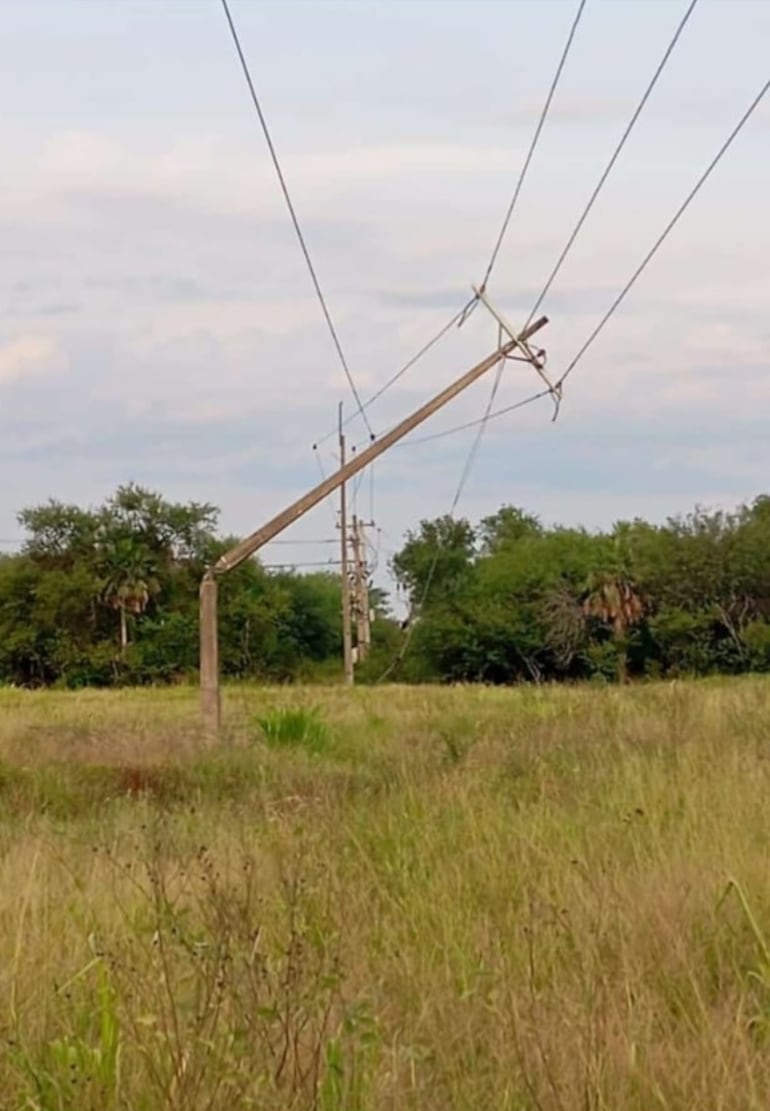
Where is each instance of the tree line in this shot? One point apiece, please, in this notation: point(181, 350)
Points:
point(511, 600)
point(109, 596)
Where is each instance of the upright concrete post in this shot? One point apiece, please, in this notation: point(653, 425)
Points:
point(209, 655)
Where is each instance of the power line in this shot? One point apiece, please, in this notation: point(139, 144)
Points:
point(613, 159)
point(414, 610)
point(322, 470)
point(474, 448)
point(625, 290)
point(371, 492)
point(458, 318)
point(648, 257)
point(533, 144)
point(11, 541)
point(356, 487)
point(291, 543)
point(417, 441)
point(668, 229)
point(294, 219)
point(358, 483)
point(473, 423)
point(303, 563)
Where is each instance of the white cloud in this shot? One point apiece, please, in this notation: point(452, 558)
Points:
point(152, 256)
point(237, 178)
point(75, 157)
point(28, 355)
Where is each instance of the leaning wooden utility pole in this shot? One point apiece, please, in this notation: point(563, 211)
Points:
point(347, 637)
point(209, 648)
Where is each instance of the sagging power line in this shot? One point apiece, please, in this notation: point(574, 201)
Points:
point(416, 609)
point(304, 540)
point(533, 144)
point(330, 563)
point(473, 423)
point(480, 295)
point(461, 315)
point(458, 318)
point(295, 220)
point(613, 159)
point(669, 227)
point(482, 423)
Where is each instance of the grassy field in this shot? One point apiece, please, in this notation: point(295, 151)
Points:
point(387, 899)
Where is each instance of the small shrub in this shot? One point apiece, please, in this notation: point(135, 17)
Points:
point(457, 735)
point(81, 1068)
point(288, 727)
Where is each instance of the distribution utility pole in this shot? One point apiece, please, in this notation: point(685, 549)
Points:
point(355, 583)
point(245, 549)
point(347, 641)
point(361, 607)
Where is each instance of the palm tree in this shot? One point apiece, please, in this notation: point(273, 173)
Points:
point(128, 590)
point(613, 601)
point(127, 597)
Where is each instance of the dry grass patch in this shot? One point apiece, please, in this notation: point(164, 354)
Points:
point(457, 899)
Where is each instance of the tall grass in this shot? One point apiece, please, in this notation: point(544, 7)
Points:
point(462, 898)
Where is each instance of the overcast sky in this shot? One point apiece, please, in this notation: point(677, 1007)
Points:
point(158, 323)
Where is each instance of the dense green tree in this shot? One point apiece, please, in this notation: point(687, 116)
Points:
point(506, 527)
point(435, 557)
point(690, 596)
point(109, 595)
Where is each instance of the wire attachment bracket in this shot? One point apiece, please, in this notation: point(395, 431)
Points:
point(535, 357)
